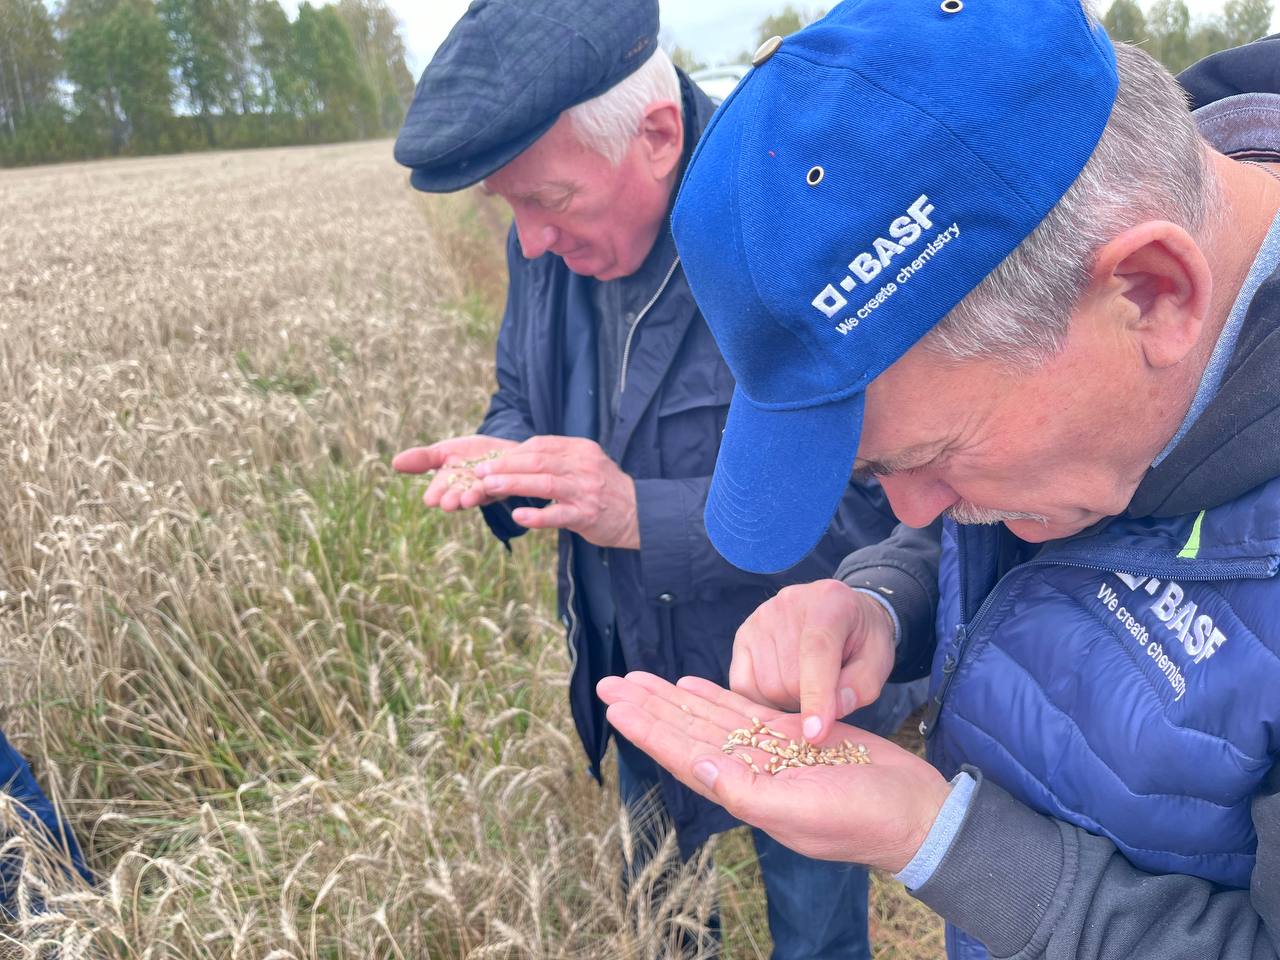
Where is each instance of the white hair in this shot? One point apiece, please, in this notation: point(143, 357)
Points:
point(1150, 164)
point(609, 123)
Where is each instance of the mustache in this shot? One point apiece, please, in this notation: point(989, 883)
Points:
point(969, 515)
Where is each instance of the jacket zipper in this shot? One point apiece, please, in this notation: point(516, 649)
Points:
point(622, 385)
point(573, 617)
point(951, 663)
point(626, 350)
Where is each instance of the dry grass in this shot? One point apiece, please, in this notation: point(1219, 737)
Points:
point(291, 713)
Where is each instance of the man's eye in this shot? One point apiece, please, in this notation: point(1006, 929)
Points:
point(879, 472)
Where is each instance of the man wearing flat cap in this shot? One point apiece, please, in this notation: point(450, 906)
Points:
point(612, 395)
point(984, 253)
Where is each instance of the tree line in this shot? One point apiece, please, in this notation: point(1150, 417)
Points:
point(1167, 31)
point(127, 77)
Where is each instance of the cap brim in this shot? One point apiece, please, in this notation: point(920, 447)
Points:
point(779, 478)
point(450, 177)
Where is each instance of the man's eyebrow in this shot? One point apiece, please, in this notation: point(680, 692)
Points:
point(907, 459)
point(557, 190)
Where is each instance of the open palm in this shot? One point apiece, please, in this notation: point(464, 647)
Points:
point(877, 814)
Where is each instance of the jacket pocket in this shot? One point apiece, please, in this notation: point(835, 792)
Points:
point(692, 412)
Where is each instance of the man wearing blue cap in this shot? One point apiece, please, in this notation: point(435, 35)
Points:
point(611, 392)
point(979, 251)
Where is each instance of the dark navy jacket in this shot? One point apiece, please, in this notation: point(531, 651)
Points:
point(679, 603)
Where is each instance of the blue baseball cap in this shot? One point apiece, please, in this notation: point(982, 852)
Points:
point(506, 72)
point(864, 177)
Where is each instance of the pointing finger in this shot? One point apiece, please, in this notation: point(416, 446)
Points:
point(820, 652)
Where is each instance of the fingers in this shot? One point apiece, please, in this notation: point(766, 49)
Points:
point(820, 653)
point(724, 716)
point(543, 486)
point(436, 490)
point(742, 671)
point(419, 460)
point(445, 491)
point(522, 460)
point(547, 454)
point(771, 680)
point(649, 712)
point(698, 765)
point(557, 516)
point(453, 490)
point(863, 676)
point(548, 443)
point(727, 699)
point(756, 671)
point(699, 724)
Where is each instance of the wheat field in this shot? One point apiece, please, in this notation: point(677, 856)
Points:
point(289, 712)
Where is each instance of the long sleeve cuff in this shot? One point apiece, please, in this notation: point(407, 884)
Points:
point(1003, 873)
point(950, 819)
point(888, 608)
point(912, 610)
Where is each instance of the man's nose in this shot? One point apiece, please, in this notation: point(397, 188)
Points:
point(536, 237)
point(918, 501)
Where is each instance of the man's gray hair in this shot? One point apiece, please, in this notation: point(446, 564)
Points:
point(1150, 164)
point(609, 123)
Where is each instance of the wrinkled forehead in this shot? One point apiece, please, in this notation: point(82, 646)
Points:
point(924, 402)
point(556, 158)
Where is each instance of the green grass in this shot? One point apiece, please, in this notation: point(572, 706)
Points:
point(290, 711)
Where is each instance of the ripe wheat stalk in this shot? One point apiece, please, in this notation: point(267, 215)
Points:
point(289, 712)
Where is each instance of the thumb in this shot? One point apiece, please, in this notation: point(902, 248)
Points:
point(419, 460)
point(820, 652)
point(868, 659)
point(727, 781)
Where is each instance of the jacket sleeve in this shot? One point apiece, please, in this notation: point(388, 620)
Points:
point(903, 569)
point(678, 562)
point(1029, 886)
point(509, 415)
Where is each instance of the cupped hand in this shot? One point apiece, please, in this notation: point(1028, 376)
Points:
point(876, 814)
point(589, 493)
point(455, 485)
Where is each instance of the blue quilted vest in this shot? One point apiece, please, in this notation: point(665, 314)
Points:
point(1126, 681)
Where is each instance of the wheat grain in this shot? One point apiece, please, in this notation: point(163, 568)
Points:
point(792, 754)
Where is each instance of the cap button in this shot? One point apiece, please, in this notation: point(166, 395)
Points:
point(767, 50)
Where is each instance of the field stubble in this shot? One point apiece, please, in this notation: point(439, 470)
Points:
point(291, 713)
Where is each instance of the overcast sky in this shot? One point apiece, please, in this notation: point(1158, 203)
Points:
point(713, 29)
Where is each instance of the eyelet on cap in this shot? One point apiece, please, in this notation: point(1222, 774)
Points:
point(815, 176)
point(767, 50)
point(952, 6)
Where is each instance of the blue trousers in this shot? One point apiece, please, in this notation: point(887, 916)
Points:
point(17, 781)
point(817, 909)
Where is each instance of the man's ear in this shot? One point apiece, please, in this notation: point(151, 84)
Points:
point(662, 131)
point(1155, 280)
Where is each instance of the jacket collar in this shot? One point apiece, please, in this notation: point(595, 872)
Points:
point(659, 334)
